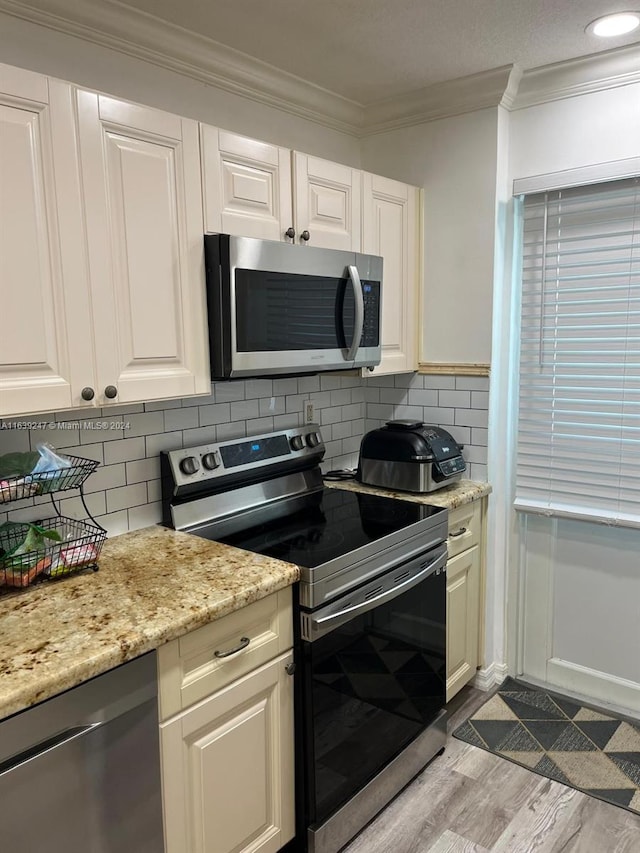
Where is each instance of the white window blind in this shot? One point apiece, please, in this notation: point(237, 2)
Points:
point(578, 443)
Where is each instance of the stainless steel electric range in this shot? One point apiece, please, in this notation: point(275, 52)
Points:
point(369, 615)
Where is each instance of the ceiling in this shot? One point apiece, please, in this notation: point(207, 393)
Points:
point(368, 50)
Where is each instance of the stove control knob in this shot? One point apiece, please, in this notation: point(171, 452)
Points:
point(313, 439)
point(297, 442)
point(210, 461)
point(189, 465)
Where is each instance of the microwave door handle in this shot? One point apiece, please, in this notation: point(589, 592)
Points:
point(354, 277)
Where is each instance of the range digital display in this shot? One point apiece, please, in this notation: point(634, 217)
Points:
point(261, 449)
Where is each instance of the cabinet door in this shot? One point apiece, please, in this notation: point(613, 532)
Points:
point(141, 178)
point(40, 246)
point(227, 767)
point(463, 605)
point(327, 203)
point(390, 222)
point(247, 185)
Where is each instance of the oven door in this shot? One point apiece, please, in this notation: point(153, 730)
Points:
point(372, 679)
point(289, 309)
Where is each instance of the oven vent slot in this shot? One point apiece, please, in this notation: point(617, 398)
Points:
point(374, 592)
point(402, 577)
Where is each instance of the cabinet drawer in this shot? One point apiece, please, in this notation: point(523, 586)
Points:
point(189, 668)
point(465, 524)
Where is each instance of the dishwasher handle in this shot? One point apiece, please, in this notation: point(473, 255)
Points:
point(47, 746)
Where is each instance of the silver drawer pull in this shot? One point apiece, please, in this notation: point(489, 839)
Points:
point(460, 532)
point(244, 642)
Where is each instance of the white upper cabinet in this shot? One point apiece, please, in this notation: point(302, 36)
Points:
point(390, 228)
point(42, 270)
point(253, 189)
point(327, 199)
point(247, 186)
point(142, 190)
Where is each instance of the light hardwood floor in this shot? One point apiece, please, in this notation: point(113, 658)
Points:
point(470, 801)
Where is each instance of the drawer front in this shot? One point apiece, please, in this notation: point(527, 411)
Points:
point(465, 525)
point(207, 659)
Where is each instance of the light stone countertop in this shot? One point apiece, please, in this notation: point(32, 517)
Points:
point(153, 585)
point(457, 494)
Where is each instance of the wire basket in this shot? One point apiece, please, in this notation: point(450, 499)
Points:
point(30, 485)
point(78, 549)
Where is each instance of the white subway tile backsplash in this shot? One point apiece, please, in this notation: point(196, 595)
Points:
point(228, 392)
point(282, 387)
point(163, 405)
point(144, 424)
point(245, 409)
point(218, 413)
point(438, 381)
point(106, 477)
point(479, 399)
point(175, 419)
point(271, 406)
point(115, 523)
point(144, 516)
point(329, 383)
point(126, 496)
point(341, 397)
point(124, 450)
point(259, 425)
point(167, 441)
point(125, 491)
point(395, 396)
point(128, 409)
point(472, 383)
point(200, 435)
point(438, 416)
point(423, 397)
point(154, 491)
point(256, 388)
point(332, 415)
point(142, 470)
point(408, 380)
point(454, 399)
point(472, 417)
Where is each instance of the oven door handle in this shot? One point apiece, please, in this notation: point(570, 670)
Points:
point(315, 626)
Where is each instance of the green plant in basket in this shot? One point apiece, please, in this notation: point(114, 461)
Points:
point(23, 561)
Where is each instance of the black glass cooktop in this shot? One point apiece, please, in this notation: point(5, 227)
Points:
point(332, 523)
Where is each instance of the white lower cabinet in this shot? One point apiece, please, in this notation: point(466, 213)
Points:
point(228, 759)
point(465, 595)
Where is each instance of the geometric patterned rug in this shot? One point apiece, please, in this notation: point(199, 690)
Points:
point(561, 739)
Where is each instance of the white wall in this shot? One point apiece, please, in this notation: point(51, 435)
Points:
point(454, 159)
point(579, 583)
point(69, 58)
point(574, 132)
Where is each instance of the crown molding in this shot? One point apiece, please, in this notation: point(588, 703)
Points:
point(442, 100)
point(595, 73)
point(110, 24)
point(129, 31)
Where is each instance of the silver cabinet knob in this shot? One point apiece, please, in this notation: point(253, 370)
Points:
point(290, 232)
point(305, 236)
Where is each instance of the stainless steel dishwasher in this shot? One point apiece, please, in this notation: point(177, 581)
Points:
point(80, 773)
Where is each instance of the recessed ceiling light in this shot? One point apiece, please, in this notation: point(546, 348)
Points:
point(614, 25)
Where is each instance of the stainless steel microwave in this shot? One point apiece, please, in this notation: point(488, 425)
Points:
point(275, 308)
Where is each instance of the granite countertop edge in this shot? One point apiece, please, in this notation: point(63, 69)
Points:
point(153, 586)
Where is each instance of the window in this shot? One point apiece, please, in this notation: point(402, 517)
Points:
point(578, 442)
